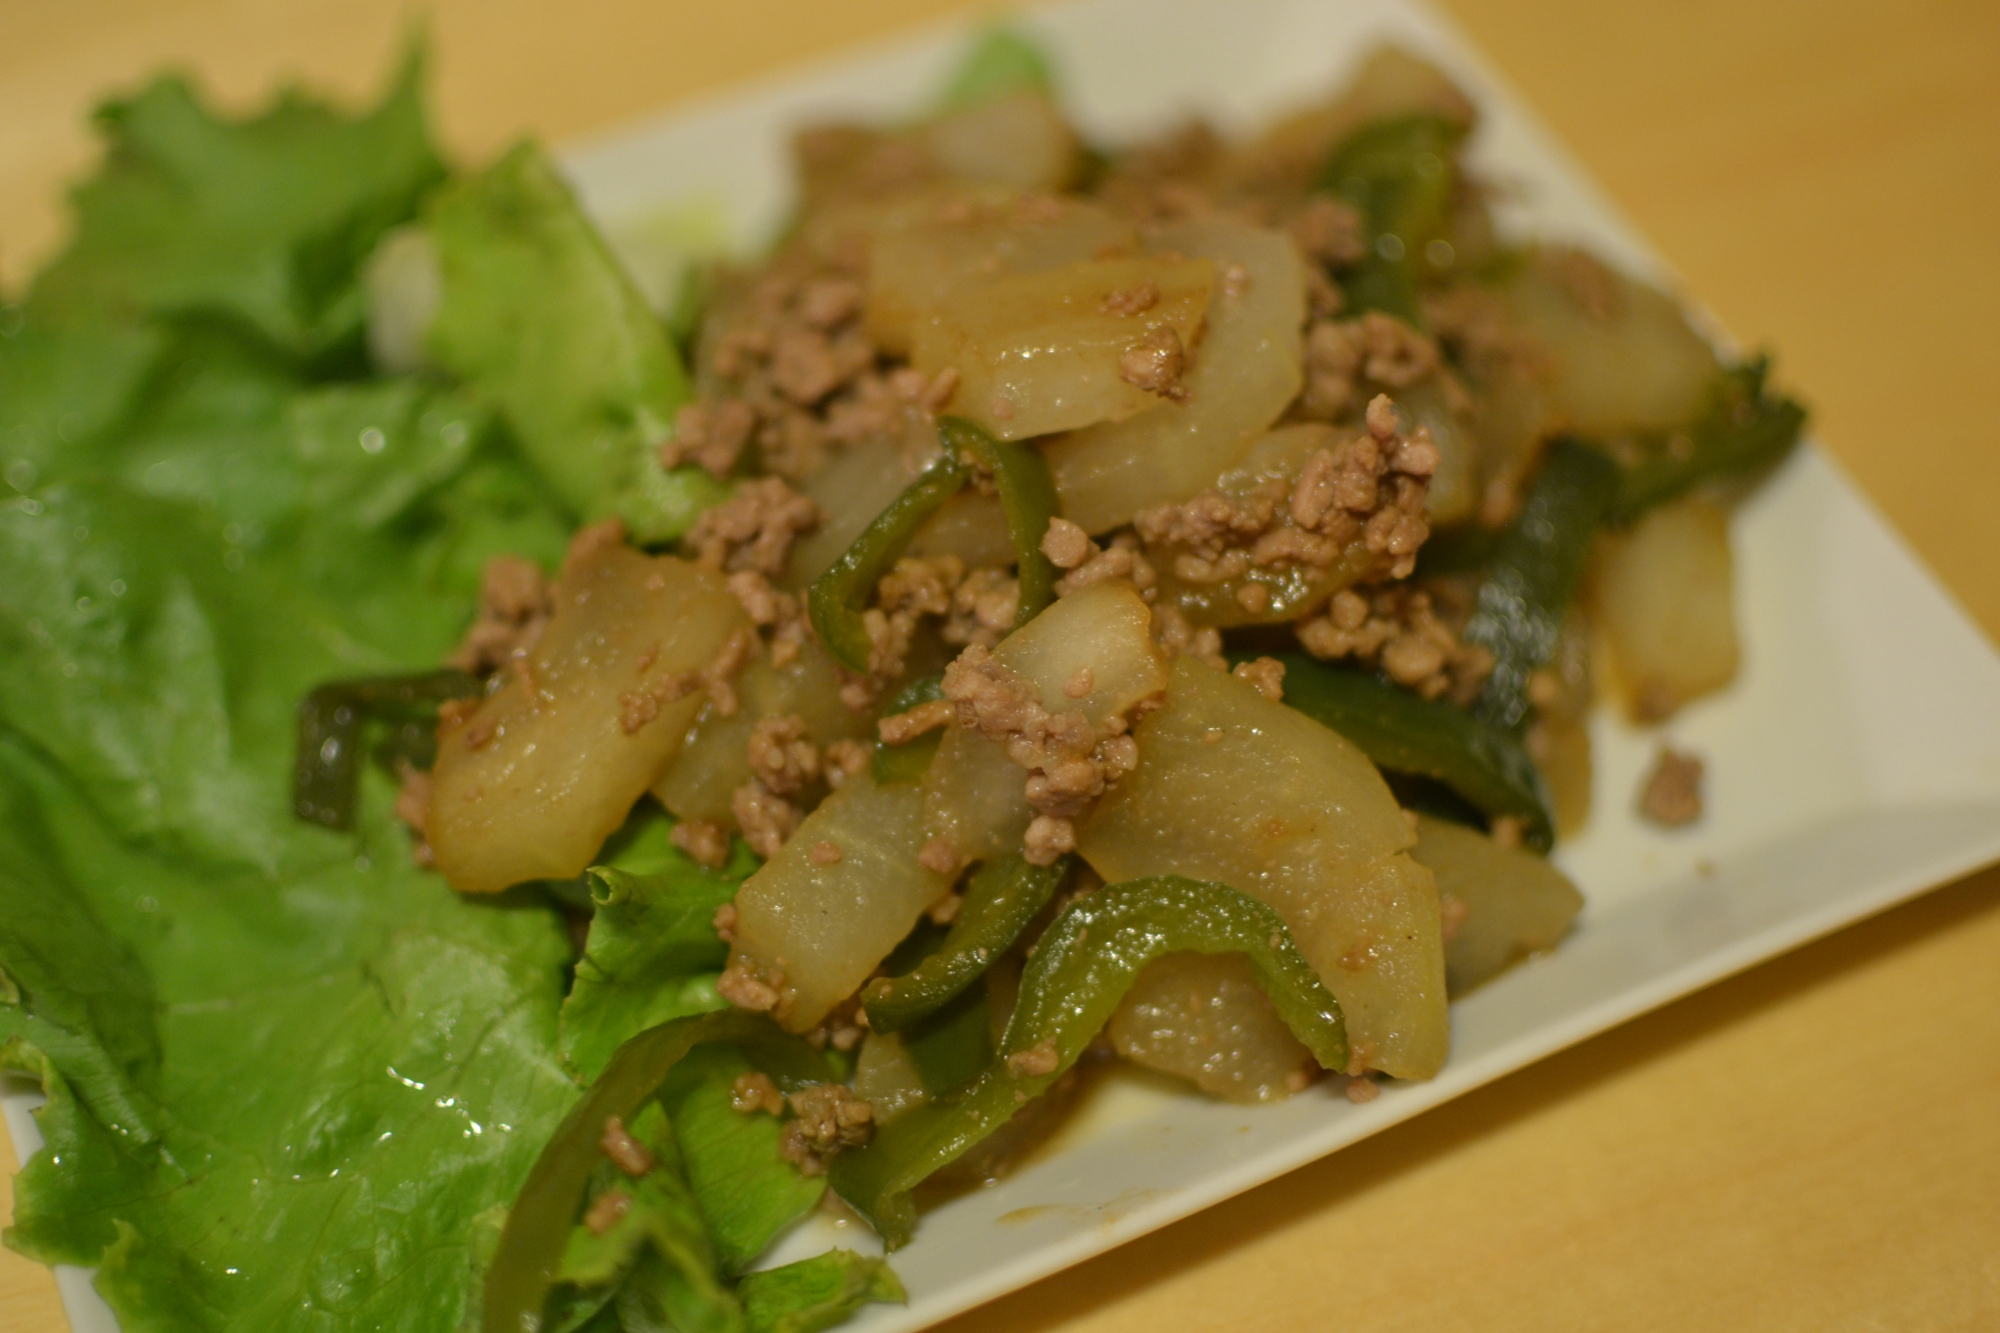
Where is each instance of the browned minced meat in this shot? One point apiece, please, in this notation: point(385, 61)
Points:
point(1170, 177)
point(726, 919)
point(1584, 278)
point(976, 606)
point(705, 842)
point(1672, 794)
point(717, 677)
point(902, 728)
point(1363, 1089)
point(825, 853)
point(1344, 357)
point(515, 602)
point(1156, 363)
point(843, 759)
point(753, 1091)
point(753, 529)
point(1038, 1060)
point(781, 756)
point(1132, 300)
point(1267, 674)
point(1358, 501)
point(1399, 630)
point(758, 992)
point(711, 434)
point(830, 1118)
point(1181, 637)
point(1069, 761)
point(626, 1153)
point(1085, 564)
point(1330, 231)
point(766, 818)
point(772, 609)
point(605, 1210)
point(940, 857)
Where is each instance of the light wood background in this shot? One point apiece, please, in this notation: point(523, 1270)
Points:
point(1813, 1145)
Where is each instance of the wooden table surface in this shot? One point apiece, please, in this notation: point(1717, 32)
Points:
point(1812, 1145)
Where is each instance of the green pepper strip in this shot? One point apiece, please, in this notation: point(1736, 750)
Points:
point(1027, 497)
point(1537, 565)
point(1079, 972)
point(1001, 899)
point(326, 774)
point(538, 1225)
point(1400, 731)
point(910, 761)
point(1399, 172)
point(1743, 428)
point(839, 596)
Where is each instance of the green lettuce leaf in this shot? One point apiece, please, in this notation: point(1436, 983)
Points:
point(263, 221)
point(1002, 60)
point(747, 1191)
point(816, 1293)
point(652, 953)
point(538, 318)
point(276, 1100)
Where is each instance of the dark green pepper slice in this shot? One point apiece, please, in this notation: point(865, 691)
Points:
point(839, 596)
point(537, 1231)
point(1399, 173)
point(1744, 428)
point(1027, 497)
point(908, 762)
point(1536, 567)
point(1001, 899)
point(327, 772)
point(1402, 732)
point(1080, 969)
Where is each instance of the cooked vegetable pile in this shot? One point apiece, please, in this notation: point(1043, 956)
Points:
point(511, 794)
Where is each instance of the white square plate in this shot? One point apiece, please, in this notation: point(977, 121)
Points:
point(1854, 763)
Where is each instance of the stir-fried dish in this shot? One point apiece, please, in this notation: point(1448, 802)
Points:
point(764, 745)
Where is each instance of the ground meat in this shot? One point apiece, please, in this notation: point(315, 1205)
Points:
point(711, 433)
point(1584, 278)
point(824, 853)
point(1267, 674)
point(781, 757)
point(843, 759)
point(765, 817)
point(1123, 559)
point(750, 990)
point(1132, 300)
point(1181, 637)
point(1398, 630)
point(1363, 1090)
point(717, 677)
point(1671, 796)
point(1348, 358)
point(940, 857)
point(830, 1118)
point(754, 1091)
point(1330, 231)
point(605, 1210)
point(1068, 760)
point(705, 842)
point(753, 529)
point(1156, 363)
point(1358, 504)
point(1037, 1061)
point(725, 922)
point(770, 608)
point(1066, 544)
point(515, 602)
point(983, 607)
point(902, 728)
point(626, 1153)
